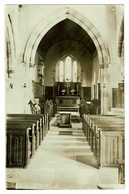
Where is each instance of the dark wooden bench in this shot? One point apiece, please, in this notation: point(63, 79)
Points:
point(39, 126)
point(17, 124)
point(27, 123)
point(18, 147)
point(43, 118)
point(32, 133)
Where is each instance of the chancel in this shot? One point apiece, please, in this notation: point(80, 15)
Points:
point(64, 97)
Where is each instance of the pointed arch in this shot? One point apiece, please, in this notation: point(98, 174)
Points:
point(121, 39)
point(54, 18)
point(10, 46)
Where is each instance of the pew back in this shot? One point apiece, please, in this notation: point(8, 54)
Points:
point(24, 133)
point(45, 120)
point(106, 138)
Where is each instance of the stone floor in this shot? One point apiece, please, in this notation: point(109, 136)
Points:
point(62, 162)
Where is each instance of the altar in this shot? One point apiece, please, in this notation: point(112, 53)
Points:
point(68, 104)
point(68, 97)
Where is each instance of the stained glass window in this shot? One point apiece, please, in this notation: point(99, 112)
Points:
point(68, 63)
point(67, 70)
point(74, 71)
point(61, 71)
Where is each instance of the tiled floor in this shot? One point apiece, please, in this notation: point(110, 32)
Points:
point(62, 162)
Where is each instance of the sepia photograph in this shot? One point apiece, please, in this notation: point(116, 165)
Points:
point(64, 97)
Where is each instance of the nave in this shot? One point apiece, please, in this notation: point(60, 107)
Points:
point(63, 162)
point(64, 60)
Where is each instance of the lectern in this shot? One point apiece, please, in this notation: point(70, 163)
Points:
point(65, 120)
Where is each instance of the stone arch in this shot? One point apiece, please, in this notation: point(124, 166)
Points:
point(54, 18)
point(10, 46)
point(121, 49)
point(121, 39)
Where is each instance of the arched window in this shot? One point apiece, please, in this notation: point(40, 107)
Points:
point(68, 63)
point(61, 71)
point(74, 71)
point(67, 69)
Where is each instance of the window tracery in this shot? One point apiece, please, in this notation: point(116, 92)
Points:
point(68, 69)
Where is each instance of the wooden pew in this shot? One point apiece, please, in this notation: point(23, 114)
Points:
point(34, 117)
point(32, 133)
point(38, 125)
point(18, 147)
point(102, 124)
point(27, 123)
point(107, 122)
point(107, 130)
point(44, 119)
point(111, 146)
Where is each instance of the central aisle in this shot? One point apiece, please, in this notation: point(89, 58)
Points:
point(61, 162)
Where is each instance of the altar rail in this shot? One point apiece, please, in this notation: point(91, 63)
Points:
point(24, 134)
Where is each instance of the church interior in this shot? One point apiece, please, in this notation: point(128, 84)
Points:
point(64, 97)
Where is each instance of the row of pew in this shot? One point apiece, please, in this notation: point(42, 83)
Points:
point(24, 135)
point(105, 135)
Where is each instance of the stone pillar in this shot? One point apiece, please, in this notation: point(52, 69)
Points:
point(109, 88)
point(27, 86)
point(104, 90)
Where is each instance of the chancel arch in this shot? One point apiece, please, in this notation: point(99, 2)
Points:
point(41, 37)
point(48, 22)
